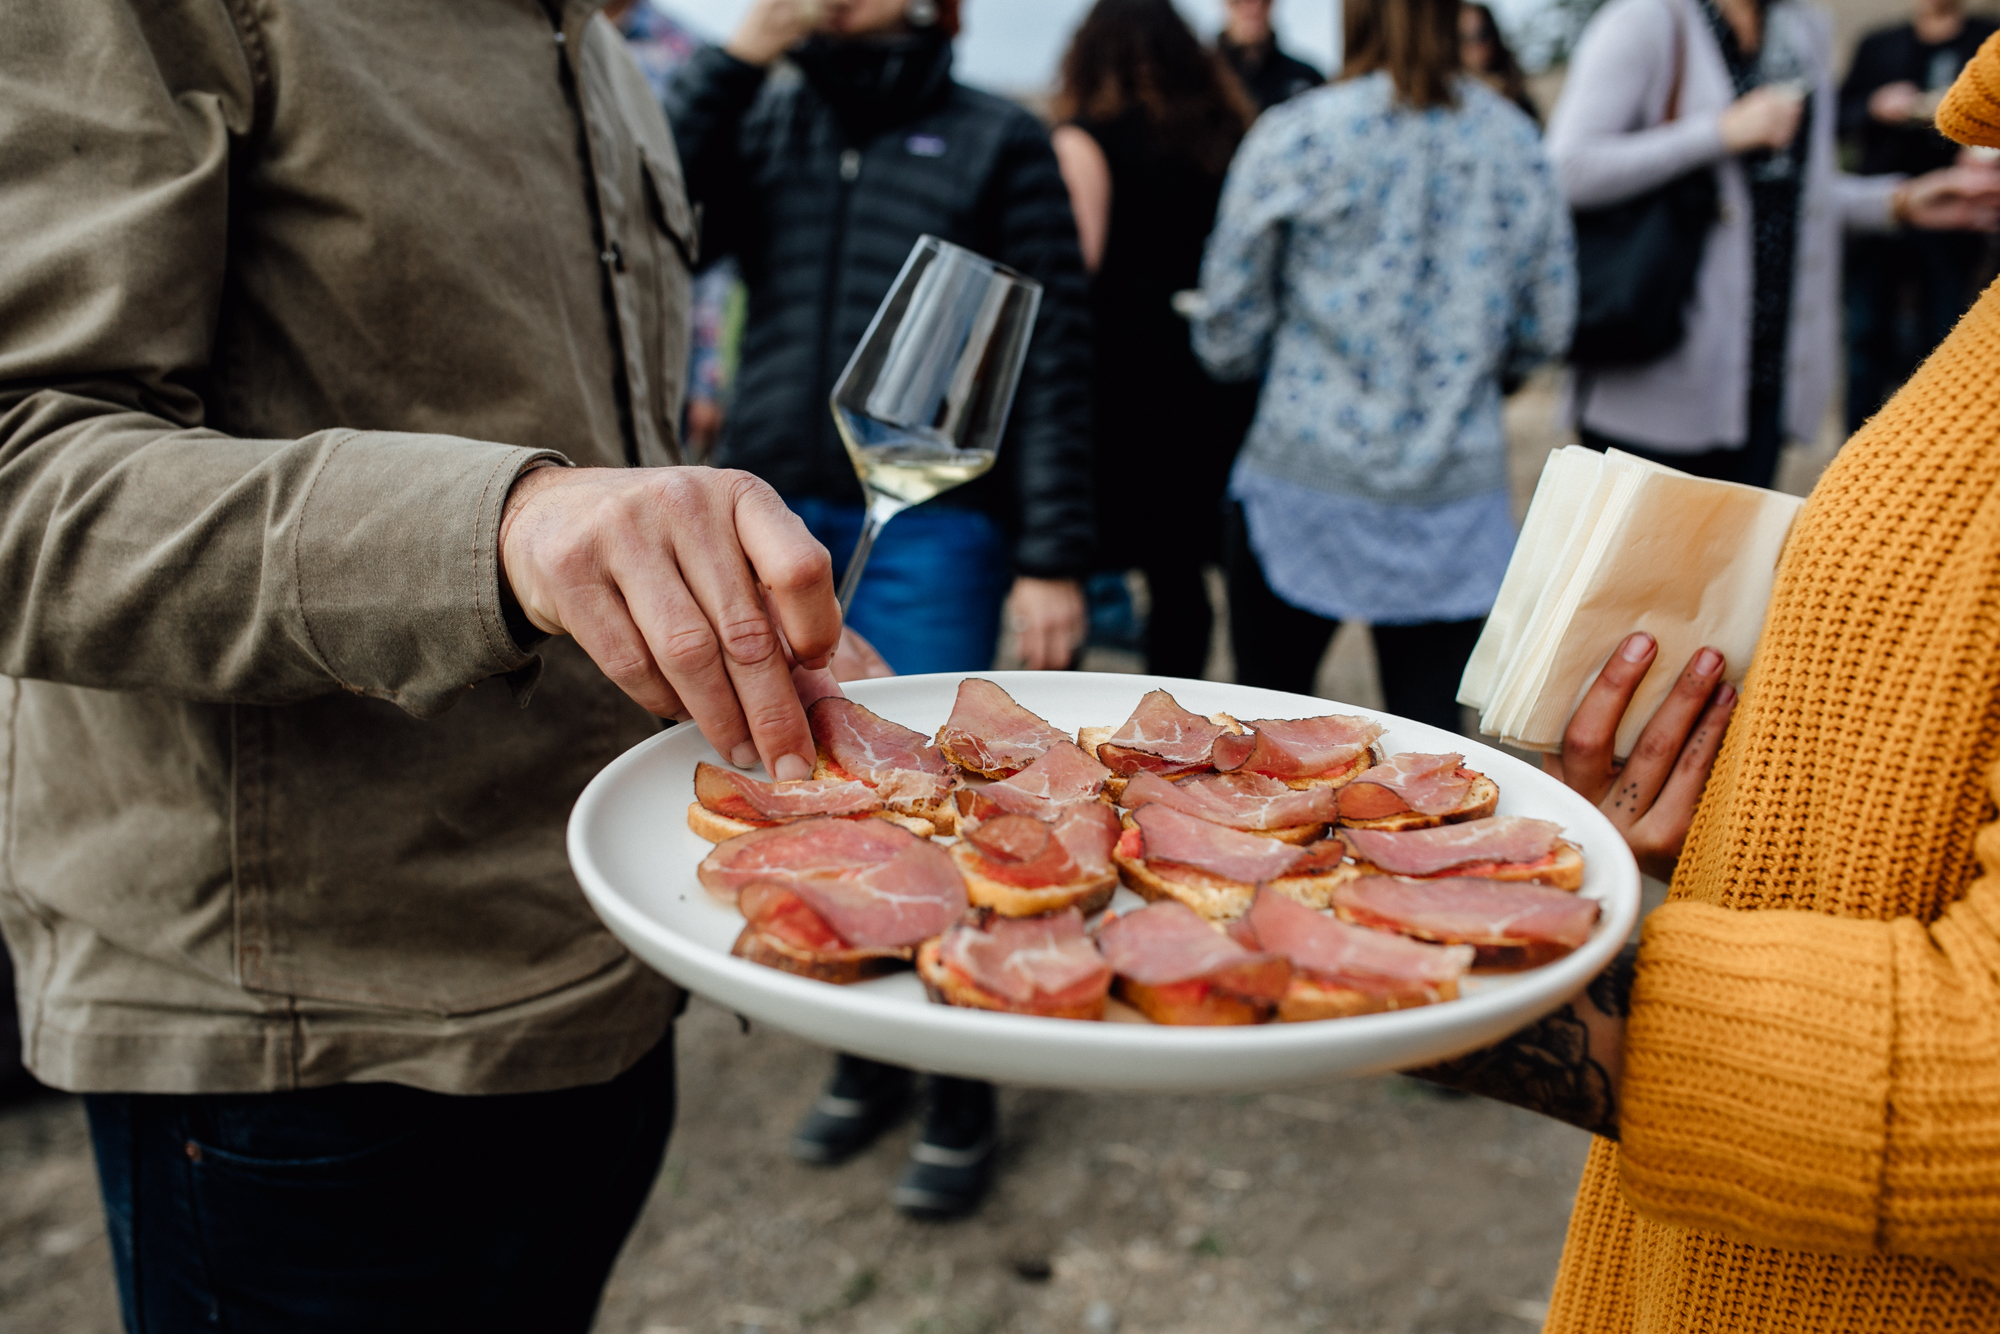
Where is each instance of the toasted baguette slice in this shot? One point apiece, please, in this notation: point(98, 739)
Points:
point(1090, 738)
point(1478, 804)
point(1086, 896)
point(1561, 869)
point(1219, 898)
point(949, 988)
point(1298, 835)
point(1309, 998)
point(1190, 1002)
point(715, 828)
point(841, 969)
point(941, 813)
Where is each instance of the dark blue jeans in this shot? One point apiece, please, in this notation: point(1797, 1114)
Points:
point(375, 1206)
point(930, 598)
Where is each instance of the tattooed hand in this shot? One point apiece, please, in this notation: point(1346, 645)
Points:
point(1651, 796)
point(1566, 1066)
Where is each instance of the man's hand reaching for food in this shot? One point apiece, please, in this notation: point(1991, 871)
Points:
point(1569, 1065)
point(694, 589)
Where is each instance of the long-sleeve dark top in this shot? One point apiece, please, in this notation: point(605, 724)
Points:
point(1896, 55)
point(821, 223)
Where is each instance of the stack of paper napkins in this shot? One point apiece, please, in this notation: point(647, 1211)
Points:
point(1614, 544)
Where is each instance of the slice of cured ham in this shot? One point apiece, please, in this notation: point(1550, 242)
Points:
point(1028, 853)
point(1375, 963)
point(1427, 784)
point(742, 797)
point(1168, 942)
point(990, 734)
point(1062, 778)
point(903, 765)
point(1169, 835)
point(876, 885)
point(1297, 747)
point(1495, 839)
point(1500, 920)
point(1240, 800)
point(1047, 962)
point(1160, 737)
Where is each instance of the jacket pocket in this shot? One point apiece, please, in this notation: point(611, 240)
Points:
point(672, 214)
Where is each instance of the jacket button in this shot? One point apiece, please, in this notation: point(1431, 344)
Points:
point(614, 256)
point(193, 1151)
point(850, 164)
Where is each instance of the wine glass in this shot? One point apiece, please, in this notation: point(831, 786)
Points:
point(924, 399)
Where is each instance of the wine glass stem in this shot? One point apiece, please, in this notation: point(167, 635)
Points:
point(881, 509)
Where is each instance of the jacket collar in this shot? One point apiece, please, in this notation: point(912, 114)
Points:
point(873, 85)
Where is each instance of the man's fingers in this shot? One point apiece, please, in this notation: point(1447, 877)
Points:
point(1666, 732)
point(791, 564)
point(1587, 759)
point(602, 626)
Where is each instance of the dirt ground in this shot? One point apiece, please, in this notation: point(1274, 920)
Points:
point(1373, 1205)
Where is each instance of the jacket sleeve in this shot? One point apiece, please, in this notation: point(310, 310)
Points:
point(1241, 265)
point(706, 103)
point(1819, 1083)
point(1604, 153)
point(139, 550)
point(1049, 428)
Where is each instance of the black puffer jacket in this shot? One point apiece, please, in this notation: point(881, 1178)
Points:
point(819, 184)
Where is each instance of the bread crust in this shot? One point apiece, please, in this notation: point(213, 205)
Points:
point(1086, 896)
point(841, 969)
point(717, 828)
point(1191, 1006)
point(1480, 802)
point(1309, 998)
point(1564, 870)
point(946, 987)
point(1218, 898)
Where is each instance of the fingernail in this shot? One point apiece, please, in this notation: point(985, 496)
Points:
point(1637, 647)
point(1726, 696)
point(1707, 662)
point(744, 756)
point(790, 767)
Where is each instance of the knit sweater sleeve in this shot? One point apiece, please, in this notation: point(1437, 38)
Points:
point(1822, 1083)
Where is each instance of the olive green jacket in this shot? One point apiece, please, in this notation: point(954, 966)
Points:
point(291, 292)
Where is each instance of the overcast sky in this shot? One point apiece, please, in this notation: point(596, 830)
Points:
point(1013, 45)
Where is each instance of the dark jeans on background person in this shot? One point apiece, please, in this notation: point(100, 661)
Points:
point(1279, 646)
point(1180, 621)
point(1903, 293)
point(930, 598)
point(1755, 463)
point(375, 1206)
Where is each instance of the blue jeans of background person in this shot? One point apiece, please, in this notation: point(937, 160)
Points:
point(930, 598)
point(375, 1206)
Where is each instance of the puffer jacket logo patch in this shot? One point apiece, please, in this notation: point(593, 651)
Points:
point(924, 145)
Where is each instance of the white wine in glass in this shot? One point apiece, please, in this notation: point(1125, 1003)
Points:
point(924, 400)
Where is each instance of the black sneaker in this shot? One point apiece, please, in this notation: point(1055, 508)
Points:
point(951, 1164)
point(862, 1100)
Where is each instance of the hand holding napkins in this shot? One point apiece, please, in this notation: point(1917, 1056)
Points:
point(1614, 544)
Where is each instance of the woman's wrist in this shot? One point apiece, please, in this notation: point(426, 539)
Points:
point(1899, 205)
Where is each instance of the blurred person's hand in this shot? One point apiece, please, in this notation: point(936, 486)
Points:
point(1765, 117)
point(771, 28)
point(1651, 795)
point(857, 660)
point(694, 589)
point(1965, 198)
point(1896, 103)
point(704, 428)
point(1048, 618)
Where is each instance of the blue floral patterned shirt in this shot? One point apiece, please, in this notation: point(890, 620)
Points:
point(1380, 267)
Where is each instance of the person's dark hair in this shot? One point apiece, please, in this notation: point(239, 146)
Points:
point(1141, 54)
point(1503, 72)
point(1416, 41)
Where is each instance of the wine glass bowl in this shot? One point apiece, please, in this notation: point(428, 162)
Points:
point(923, 402)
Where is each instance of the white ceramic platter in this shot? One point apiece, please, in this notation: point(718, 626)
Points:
point(631, 847)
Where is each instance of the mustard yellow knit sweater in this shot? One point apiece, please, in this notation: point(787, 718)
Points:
point(1811, 1117)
